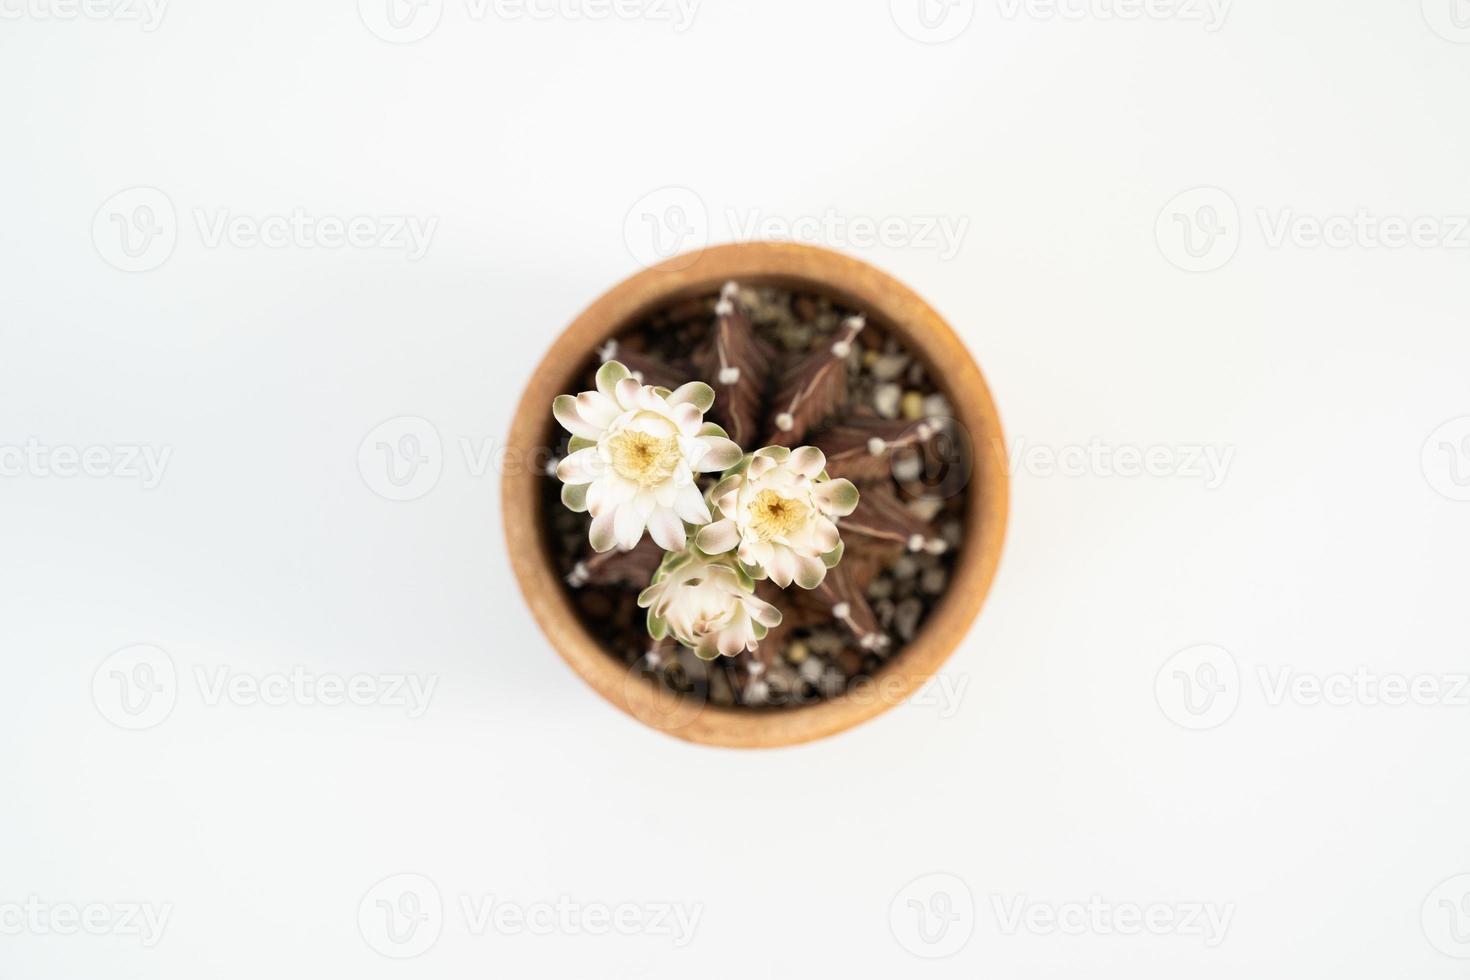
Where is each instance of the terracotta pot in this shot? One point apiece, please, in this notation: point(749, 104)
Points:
point(887, 303)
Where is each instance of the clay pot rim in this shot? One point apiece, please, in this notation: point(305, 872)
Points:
point(886, 302)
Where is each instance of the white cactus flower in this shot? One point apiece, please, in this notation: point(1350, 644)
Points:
point(634, 452)
point(707, 604)
point(776, 511)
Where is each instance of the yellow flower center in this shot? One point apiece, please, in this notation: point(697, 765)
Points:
point(645, 459)
point(772, 515)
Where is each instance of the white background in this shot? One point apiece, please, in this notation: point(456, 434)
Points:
point(1332, 542)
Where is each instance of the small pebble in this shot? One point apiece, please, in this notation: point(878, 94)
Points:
point(907, 467)
point(880, 588)
point(937, 406)
point(906, 619)
point(796, 651)
point(757, 692)
point(913, 406)
point(832, 682)
point(825, 642)
point(952, 533)
point(934, 581)
point(811, 671)
point(888, 367)
point(886, 399)
point(926, 508)
point(906, 567)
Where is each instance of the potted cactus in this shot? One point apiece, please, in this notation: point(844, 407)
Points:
point(777, 496)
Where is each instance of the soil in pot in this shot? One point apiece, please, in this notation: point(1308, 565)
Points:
point(792, 367)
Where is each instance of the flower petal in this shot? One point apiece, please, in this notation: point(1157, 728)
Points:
point(628, 526)
point(695, 393)
point(582, 466)
point(628, 392)
point(810, 570)
point(687, 418)
point(717, 538)
point(597, 408)
point(601, 534)
point(609, 375)
point(564, 408)
point(689, 504)
point(574, 496)
point(720, 454)
point(807, 461)
point(763, 612)
point(667, 530)
point(836, 497)
point(781, 567)
point(824, 535)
